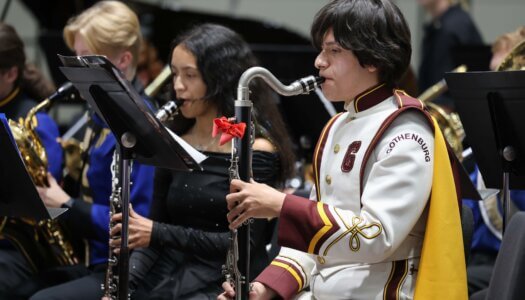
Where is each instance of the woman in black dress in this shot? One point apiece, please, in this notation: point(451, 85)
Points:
point(181, 247)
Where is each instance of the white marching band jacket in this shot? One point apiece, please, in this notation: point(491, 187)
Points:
point(360, 236)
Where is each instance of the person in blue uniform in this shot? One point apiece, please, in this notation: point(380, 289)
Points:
point(487, 236)
point(112, 29)
point(22, 86)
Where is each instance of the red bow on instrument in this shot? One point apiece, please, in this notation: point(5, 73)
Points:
point(228, 128)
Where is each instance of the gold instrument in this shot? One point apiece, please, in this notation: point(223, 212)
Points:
point(154, 87)
point(43, 243)
point(30, 146)
point(515, 60)
point(449, 122)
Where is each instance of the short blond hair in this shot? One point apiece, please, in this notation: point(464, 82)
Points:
point(108, 27)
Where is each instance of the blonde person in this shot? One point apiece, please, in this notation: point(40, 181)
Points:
point(112, 29)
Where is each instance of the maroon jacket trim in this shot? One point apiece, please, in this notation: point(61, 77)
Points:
point(298, 222)
point(318, 153)
point(371, 97)
point(405, 102)
point(395, 280)
point(329, 233)
point(297, 271)
point(279, 280)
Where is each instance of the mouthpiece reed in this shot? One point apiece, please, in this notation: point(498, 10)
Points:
point(310, 83)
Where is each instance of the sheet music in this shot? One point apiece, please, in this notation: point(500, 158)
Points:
point(194, 153)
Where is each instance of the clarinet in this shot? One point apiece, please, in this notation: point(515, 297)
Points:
point(237, 267)
point(111, 280)
point(115, 270)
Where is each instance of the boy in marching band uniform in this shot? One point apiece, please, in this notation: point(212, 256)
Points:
point(383, 219)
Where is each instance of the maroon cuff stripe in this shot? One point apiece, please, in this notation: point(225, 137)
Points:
point(279, 280)
point(329, 233)
point(298, 223)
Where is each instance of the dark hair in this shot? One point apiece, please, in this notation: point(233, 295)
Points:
point(222, 56)
point(12, 54)
point(11, 49)
point(374, 30)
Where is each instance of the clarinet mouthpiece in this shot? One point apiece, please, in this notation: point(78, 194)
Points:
point(309, 83)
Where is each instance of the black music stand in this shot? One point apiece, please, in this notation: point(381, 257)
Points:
point(19, 197)
point(491, 106)
point(140, 135)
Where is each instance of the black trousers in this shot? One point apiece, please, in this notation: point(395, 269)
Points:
point(14, 272)
point(479, 270)
point(19, 281)
point(81, 283)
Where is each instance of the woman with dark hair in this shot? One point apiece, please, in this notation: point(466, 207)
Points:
point(186, 237)
point(383, 219)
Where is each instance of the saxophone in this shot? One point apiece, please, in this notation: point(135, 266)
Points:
point(44, 244)
point(237, 267)
point(449, 122)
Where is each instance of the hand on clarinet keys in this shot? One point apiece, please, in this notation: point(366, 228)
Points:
point(258, 291)
point(252, 200)
point(139, 231)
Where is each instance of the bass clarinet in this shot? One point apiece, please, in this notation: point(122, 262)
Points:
point(237, 268)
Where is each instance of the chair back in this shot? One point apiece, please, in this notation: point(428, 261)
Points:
point(508, 277)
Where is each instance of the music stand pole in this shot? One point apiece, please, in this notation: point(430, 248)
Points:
point(505, 188)
point(491, 105)
point(503, 135)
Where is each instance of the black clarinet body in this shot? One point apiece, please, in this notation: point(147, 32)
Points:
point(242, 160)
point(243, 148)
point(116, 281)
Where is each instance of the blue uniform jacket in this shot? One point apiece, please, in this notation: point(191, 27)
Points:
point(99, 178)
point(483, 238)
